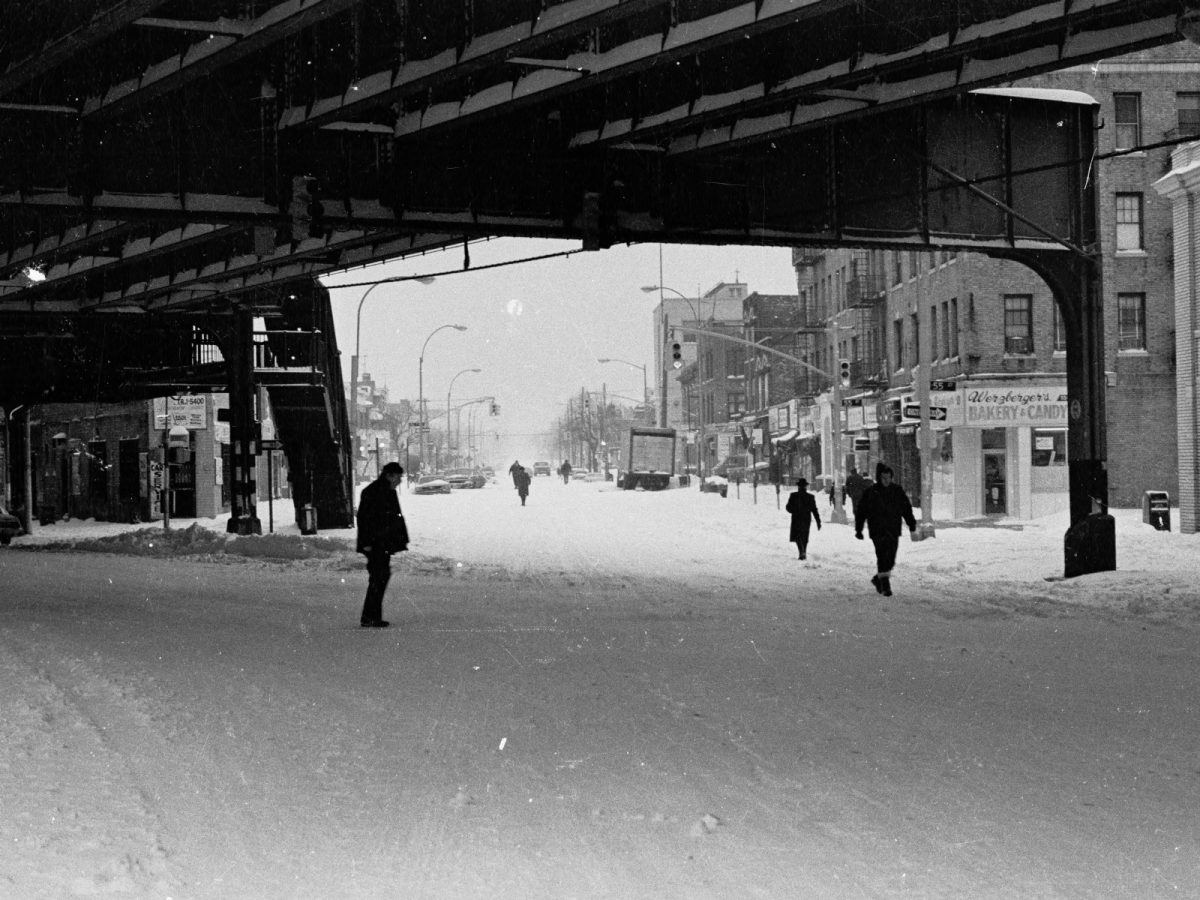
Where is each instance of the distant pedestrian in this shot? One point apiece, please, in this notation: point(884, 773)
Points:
point(856, 485)
point(522, 478)
point(565, 471)
point(803, 507)
point(381, 532)
point(884, 508)
point(514, 469)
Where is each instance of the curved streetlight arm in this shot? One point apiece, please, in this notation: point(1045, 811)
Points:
point(421, 385)
point(650, 288)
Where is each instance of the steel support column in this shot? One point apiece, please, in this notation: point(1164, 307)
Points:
point(243, 426)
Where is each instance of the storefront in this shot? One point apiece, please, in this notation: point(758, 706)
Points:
point(998, 448)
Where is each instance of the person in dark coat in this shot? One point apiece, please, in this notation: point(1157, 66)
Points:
point(381, 532)
point(803, 507)
point(884, 508)
point(856, 485)
point(565, 471)
point(514, 469)
point(521, 479)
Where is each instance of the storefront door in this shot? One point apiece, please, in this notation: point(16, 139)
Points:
point(995, 497)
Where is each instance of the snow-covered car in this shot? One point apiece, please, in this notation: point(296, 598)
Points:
point(579, 474)
point(459, 478)
point(715, 484)
point(10, 526)
point(489, 474)
point(430, 484)
point(541, 467)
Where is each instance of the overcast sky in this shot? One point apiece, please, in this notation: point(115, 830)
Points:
point(535, 329)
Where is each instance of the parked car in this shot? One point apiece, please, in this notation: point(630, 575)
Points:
point(458, 478)
point(431, 484)
point(10, 526)
point(541, 467)
point(579, 474)
point(465, 478)
point(734, 467)
point(490, 474)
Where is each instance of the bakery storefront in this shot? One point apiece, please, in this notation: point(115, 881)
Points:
point(1009, 450)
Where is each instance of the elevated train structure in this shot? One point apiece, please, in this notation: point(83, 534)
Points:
point(180, 167)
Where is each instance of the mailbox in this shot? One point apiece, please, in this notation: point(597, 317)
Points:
point(1156, 510)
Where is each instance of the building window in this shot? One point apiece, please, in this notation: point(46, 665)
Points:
point(915, 324)
point(1131, 321)
point(933, 332)
point(1060, 331)
point(897, 267)
point(1129, 221)
point(1187, 111)
point(1128, 115)
point(898, 342)
point(735, 405)
point(946, 328)
point(1049, 447)
point(735, 361)
point(952, 345)
point(1018, 324)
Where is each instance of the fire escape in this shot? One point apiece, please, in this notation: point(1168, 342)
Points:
point(866, 295)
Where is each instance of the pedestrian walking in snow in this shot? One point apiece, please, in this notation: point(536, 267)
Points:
point(856, 486)
point(565, 471)
point(381, 532)
point(803, 507)
point(514, 469)
point(522, 478)
point(885, 508)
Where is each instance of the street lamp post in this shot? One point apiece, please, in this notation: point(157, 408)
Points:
point(699, 388)
point(645, 385)
point(422, 411)
point(457, 436)
point(423, 279)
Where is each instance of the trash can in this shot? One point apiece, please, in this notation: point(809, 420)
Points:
point(308, 519)
point(1091, 546)
point(1156, 509)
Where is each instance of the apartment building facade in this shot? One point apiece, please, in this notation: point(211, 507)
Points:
point(993, 336)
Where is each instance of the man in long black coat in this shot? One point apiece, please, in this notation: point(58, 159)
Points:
point(381, 532)
point(884, 507)
point(803, 507)
point(522, 479)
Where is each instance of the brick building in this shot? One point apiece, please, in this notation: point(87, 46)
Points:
point(992, 332)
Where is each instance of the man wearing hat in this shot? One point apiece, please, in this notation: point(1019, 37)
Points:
point(884, 508)
point(381, 532)
point(803, 507)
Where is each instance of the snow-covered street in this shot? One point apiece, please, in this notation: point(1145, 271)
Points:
point(604, 694)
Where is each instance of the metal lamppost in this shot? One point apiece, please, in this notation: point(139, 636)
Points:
point(423, 279)
point(457, 436)
point(699, 391)
point(421, 385)
point(645, 385)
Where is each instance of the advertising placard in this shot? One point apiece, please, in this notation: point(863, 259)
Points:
point(189, 411)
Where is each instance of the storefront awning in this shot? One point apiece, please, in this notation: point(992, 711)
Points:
point(785, 437)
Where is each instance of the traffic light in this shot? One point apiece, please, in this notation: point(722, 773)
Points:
point(677, 355)
point(844, 372)
point(495, 408)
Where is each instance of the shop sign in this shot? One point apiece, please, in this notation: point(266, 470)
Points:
point(188, 411)
point(1032, 406)
point(783, 417)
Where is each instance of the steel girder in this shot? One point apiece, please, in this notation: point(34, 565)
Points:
point(158, 153)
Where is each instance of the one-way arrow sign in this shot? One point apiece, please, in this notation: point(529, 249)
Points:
point(913, 411)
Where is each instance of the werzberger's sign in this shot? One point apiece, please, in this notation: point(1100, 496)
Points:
point(1037, 407)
